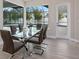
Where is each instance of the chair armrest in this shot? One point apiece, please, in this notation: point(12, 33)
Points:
point(38, 33)
point(37, 36)
point(15, 38)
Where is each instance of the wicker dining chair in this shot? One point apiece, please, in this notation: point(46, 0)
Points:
point(9, 45)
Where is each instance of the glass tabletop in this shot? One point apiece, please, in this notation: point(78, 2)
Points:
point(28, 33)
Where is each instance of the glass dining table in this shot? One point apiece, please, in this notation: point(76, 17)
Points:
point(27, 33)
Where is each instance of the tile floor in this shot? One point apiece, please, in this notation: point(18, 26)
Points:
point(56, 49)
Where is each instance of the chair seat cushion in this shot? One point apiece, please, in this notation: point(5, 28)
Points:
point(18, 45)
point(34, 40)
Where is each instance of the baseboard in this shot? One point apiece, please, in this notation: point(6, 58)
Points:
point(75, 40)
point(63, 37)
point(51, 37)
point(54, 37)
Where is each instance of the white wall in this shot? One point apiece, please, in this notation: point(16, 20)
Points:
point(76, 20)
point(36, 2)
point(52, 15)
point(1, 16)
point(74, 15)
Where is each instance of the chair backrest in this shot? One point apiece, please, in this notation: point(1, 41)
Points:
point(40, 38)
point(8, 45)
point(13, 29)
point(45, 26)
point(42, 34)
point(20, 27)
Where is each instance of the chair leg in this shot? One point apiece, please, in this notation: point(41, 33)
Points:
point(39, 49)
point(44, 45)
point(26, 48)
point(42, 51)
point(12, 56)
point(29, 53)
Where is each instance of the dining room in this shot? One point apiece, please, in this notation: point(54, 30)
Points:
point(28, 30)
